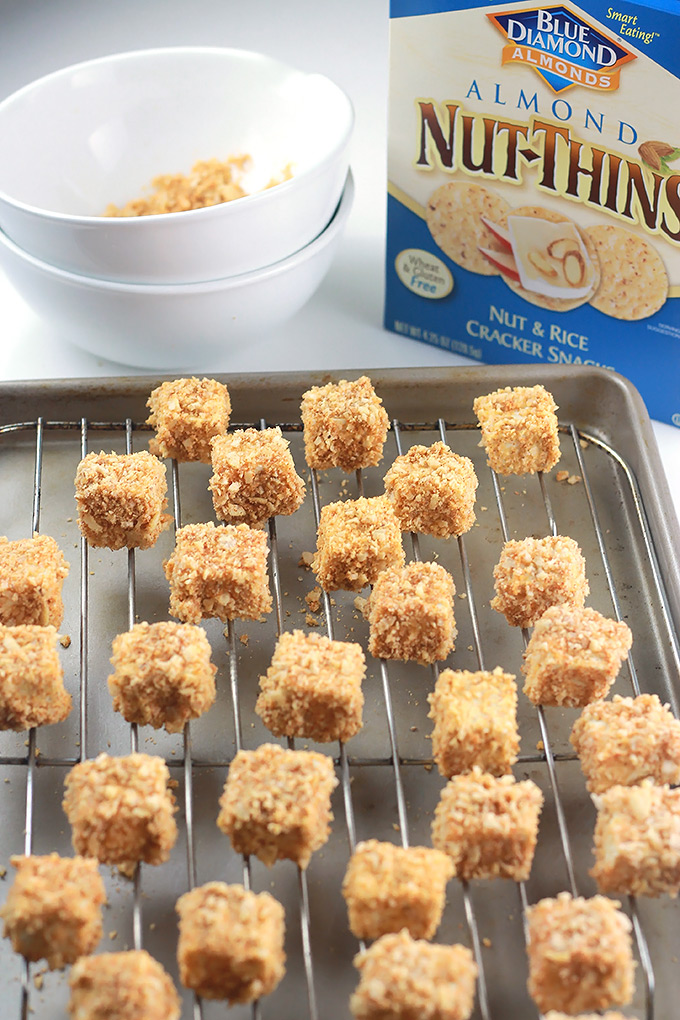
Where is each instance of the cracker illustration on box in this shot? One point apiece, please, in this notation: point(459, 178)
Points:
point(534, 184)
point(545, 257)
point(634, 283)
point(463, 220)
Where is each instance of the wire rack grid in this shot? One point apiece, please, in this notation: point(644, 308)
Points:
point(472, 905)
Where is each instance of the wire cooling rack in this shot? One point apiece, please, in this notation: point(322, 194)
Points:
point(388, 786)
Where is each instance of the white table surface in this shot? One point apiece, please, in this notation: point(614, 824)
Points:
point(341, 327)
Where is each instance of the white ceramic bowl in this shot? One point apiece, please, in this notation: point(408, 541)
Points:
point(173, 326)
point(100, 131)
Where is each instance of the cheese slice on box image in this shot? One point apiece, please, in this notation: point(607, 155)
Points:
point(543, 256)
point(551, 258)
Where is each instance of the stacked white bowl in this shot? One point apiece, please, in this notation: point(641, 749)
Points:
point(170, 290)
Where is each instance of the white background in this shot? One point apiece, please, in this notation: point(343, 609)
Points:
point(347, 40)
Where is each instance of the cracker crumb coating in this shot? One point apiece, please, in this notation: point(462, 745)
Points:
point(162, 674)
point(580, 954)
point(53, 911)
point(534, 574)
point(519, 429)
point(573, 656)
point(121, 498)
point(230, 942)
point(625, 740)
point(410, 613)
point(121, 810)
point(312, 688)
point(32, 689)
point(345, 425)
point(276, 803)
point(209, 182)
point(406, 979)
point(388, 887)
point(356, 540)
point(218, 572)
point(488, 826)
point(432, 490)
point(32, 572)
point(122, 986)
point(187, 414)
point(254, 477)
point(637, 840)
point(475, 721)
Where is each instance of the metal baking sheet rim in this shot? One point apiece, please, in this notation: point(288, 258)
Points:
point(600, 401)
point(612, 414)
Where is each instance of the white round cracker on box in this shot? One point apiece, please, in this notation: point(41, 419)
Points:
point(454, 216)
point(634, 282)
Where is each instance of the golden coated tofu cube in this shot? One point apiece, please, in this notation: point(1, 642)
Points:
point(230, 942)
point(276, 803)
point(53, 911)
point(121, 498)
point(519, 429)
point(312, 688)
point(345, 425)
point(580, 954)
point(356, 540)
point(187, 414)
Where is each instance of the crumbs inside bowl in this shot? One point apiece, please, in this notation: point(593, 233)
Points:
point(114, 124)
point(210, 182)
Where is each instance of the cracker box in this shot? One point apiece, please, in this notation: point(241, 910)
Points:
point(534, 184)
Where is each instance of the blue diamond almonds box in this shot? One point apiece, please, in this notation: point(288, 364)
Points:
point(534, 184)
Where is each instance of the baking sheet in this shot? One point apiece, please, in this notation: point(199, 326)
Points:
point(633, 546)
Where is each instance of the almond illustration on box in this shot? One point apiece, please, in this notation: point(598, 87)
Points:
point(657, 156)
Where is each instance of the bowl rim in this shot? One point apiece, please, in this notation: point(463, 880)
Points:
point(262, 197)
point(332, 228)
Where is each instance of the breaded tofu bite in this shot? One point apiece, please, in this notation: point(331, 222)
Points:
point(536, 573)
point(254, 477)
point(580, 954)
point(32, 689)
point(122, 986)
point(32, 572)
point(519, 429)
point(406, 979)
point(276, 803)
point(53, 910)
point(218, 572)
point(637, 840)
point(187, 414)
point(230, 942)
point(573, 656)
point(432, 490)
point(121, 810)
point(312, 688)
point(163, 675)
point(475, 721)
point(625, 740)
point(488, 825)
point(121, 498)
point(410, 613)
point(345, 425)
point(387, 888)
point(356, 540)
